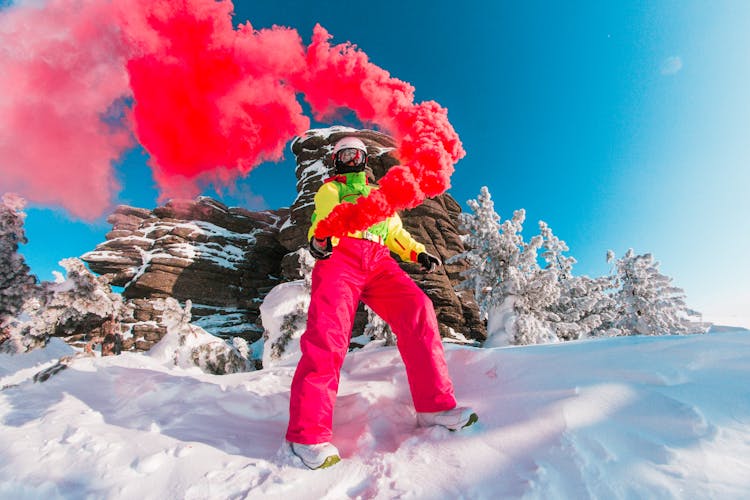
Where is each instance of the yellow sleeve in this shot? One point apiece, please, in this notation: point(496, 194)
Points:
point(326, 198)
point(400, 242)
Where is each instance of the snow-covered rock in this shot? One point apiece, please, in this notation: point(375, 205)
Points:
point(284, 314)
point(187, 345)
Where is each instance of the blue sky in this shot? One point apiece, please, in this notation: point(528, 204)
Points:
point(621, 124)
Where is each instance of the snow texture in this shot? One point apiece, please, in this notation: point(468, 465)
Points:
point(615, 418)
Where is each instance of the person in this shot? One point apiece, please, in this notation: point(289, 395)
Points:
point(359, 267)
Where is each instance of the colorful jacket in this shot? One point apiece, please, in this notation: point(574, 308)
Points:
point(346, 188)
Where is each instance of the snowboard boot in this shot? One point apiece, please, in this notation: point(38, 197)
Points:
point(454, 419)
point(316, 456)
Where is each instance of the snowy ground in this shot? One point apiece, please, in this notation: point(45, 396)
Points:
point(665, 417)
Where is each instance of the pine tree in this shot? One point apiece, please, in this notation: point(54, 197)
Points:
point(553, 254)
point(377, 329)
point(504, 273)
point(75, 304)
point(482, 238)
point(524, 303)
point(585, 306)
point(281, 340)
point(648, 302)
point(16, 283)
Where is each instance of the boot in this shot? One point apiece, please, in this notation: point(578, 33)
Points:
point(454, 419)
point(316, 456)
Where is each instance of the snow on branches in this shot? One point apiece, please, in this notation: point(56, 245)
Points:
point(649, 303)
point(15, 280)
point(79, 304)
point(187, 345)
point(525, 302)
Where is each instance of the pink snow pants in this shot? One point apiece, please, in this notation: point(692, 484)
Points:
point(363, 270)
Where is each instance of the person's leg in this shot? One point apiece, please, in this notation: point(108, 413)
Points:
point(335, 295)
point(394, 296)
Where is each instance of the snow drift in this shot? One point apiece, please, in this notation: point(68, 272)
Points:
point(630, 417)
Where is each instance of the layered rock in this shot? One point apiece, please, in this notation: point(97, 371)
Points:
point(222, 259)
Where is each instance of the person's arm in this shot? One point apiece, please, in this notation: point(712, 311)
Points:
point(326, 199)
point(400, 242)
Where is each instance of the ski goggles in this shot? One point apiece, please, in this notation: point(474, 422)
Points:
point(351, 155)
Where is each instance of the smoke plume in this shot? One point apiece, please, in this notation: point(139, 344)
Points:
point(342, 76)
point(211, 102)
point(62, 71)
point(207, 101)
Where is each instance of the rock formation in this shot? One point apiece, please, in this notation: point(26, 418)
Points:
point(222, 259)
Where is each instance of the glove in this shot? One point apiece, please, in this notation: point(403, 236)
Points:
point(321, 249)
point(429, 262)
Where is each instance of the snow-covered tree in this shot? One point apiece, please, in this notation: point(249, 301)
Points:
point(482, 239)
point(553, 252)
point(187, 345)
point(585, 306)
point(504, 273)
point(649, 303)
point(284, 314)
point(16, 284)
point(292, 327)
point(76, 304)
point(525, 303)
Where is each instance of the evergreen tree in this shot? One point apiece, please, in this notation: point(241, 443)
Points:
point(15, 281)
point(73, 304)
point(284, 342)
point(553, 252)
point(377, 329)
point(525, 303)
point(504, 273)
point(648, 302)
point(585, 306)
point(482, 239)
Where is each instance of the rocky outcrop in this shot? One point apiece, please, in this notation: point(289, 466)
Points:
point(222, 259)
point(225, 260)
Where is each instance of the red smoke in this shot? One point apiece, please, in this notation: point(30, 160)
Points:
point(62, 69)
point(342, 76)
point(210, 103)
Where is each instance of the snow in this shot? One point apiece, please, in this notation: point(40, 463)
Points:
point(325, 132)
point(628, 417)
point(283, 299)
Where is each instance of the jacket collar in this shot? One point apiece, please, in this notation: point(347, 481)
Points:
point(353, 179)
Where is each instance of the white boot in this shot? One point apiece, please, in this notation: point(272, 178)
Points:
point(316, 456)
point(454, 419)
